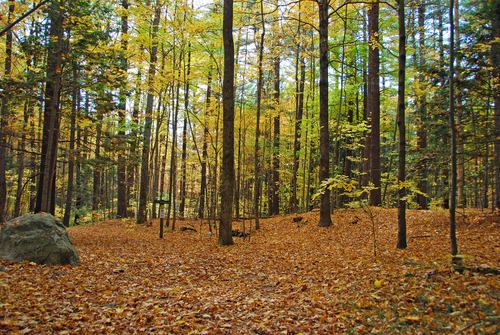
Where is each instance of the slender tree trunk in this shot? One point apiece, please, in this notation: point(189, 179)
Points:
point(71, 165)
point(497, 150)
point(156, 152)
point(496, 88)
point(402, 129)
point(276, 141)
point(96, 194)
point(453, 185)
point(4, 119)
point(184, 138)
point(227, 187)
point(422, 131)
point(144, 186)
point(461, 200)
point(173, 159)
point(374, 103)
point(203, 183)
point(121, 171)
point(257, 123)
point(325, 220)
point(365, 176)
point(21, 164)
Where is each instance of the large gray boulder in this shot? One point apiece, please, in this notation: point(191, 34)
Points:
point(38, 238)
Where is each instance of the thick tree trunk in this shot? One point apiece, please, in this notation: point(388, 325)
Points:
point(52, 116)
point(227, 187)
point(325, 220)
point(144, 186)
point(374, 103)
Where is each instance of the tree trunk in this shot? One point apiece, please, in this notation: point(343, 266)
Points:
point(173, 159)
point(71, 165)
point(97, 157)
point(155, 155)
point(325, 220)
point(275, 210)
point(422, 131)
point(52, 116)
point(144, 186)
point(257, 180)
point(121, 171)
point(461, 199)
point(496, 114)
point(374, 103)
point(4, 119)
point(453, 185)
point(365, 176)
point(203, 183)
point(402, 129)
point(184, 138)
point(227, 187)
point(21, 165)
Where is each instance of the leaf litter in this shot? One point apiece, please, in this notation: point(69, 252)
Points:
point(291, 278)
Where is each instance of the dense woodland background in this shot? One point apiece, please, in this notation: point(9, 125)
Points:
point(107, 105)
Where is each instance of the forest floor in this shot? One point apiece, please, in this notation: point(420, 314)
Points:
point(290, 278)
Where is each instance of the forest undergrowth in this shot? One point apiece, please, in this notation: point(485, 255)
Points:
point(290, 278)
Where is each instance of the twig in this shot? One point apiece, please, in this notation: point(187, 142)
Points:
point(469, 326)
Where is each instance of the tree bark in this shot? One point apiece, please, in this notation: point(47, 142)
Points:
point(227, 187)
point(374, 103)
point(4, 119)
point(71, 165)
point(257, 181)
point(184, 139)
point(422, 131)
point(121, 211)
point(496, 112)
point(402, 129)
point(453, 184)
point(276, 141)
point(144, 186)
point(203, 183)
point(52, 116)
point(96, 194)
point(325, 219)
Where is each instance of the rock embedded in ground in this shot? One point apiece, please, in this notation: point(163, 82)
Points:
point(38, 238)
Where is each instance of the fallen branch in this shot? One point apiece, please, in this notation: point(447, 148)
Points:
point(469, 326)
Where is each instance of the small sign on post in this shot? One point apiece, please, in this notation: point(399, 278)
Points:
point(162, 213)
